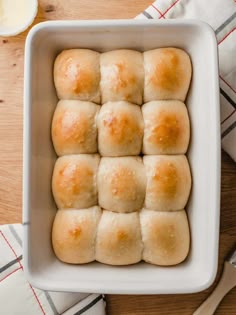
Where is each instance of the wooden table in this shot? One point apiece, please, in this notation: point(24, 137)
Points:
point(11, 108)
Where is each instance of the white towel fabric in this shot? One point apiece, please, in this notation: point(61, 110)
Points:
point(18, 297)
point(221, 15)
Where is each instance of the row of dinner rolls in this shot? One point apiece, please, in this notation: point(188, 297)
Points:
point(127, 75)
point(120, 128)
point(82, 236)
point(122, 184)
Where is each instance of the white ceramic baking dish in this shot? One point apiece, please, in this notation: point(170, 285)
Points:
point(42, 268)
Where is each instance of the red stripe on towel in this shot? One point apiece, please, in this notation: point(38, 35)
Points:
point(40, 305)
point(161, 14)
point(173, 4)
point(8, 243)
point(226, 36)
point(21, 267)
point(9, 274)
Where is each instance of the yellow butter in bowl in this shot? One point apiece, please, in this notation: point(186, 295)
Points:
point(16, 16)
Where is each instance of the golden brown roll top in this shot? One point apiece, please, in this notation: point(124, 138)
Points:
point(167, 74)
point(119, 238)
point(168, 182)
point(85, 235)
point(74, 234)
point(74, 127)
point(165, 236)
point(77, 75)
point(166, 127)
point(74, 181)
point(121, 184)
point(122, 76)
point(120, 129)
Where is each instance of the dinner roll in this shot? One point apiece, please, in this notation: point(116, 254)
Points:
point(166, 127)
point(74, 234)
point(77, 75)
point(119, 238)
point(122, 76)
point(165, 236)
point(120, 129)
point(74, 181)
point(74, 127)
point(167, 74)
point(121, 184)
point(168, 182)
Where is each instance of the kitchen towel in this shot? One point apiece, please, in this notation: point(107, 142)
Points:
point(221, 15)
point(18, 297)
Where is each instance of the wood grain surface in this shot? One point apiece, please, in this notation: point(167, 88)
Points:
point(11, 126)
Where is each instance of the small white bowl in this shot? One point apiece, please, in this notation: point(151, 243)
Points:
point(30, 10)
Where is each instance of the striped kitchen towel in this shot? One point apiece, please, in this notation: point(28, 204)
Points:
point(18, 297)
point(221, 15)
